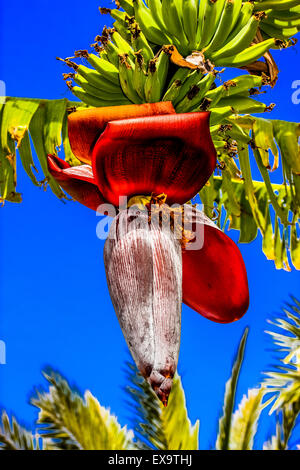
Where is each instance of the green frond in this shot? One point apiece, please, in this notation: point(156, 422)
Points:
point(158, 427)
point(285, 424)
point(15, 437)
point(77, 422)
point(284, 381)
point(225, 422)
point(245, 420)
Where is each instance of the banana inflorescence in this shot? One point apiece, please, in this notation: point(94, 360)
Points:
point(168, 50)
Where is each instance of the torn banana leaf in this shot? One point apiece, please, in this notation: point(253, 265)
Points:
point(26, 125)
point(251, 206)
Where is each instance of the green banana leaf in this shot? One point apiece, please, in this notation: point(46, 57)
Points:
point(27, 124)
point(241, 142)
point(258, 206)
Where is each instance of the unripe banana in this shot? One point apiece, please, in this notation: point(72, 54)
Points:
point(101, 94)
point(193, 78)
point(139, 76)
point(157, 74)
point(140, 43)
point(247, 56)
point(173, 91)
point(144, 275)
point(210, 16)
point(244, 17)
point(127, 5)
point(241, 41)
point(219, 115)
point(126, 68)
point(108, 70)
point(92, 100)
point(279, 33)
point(197, 92)
point(93, 77)
point(148, 25)
point(226, 24)
point(243, 105)
point(275, 5)
point(189, 19)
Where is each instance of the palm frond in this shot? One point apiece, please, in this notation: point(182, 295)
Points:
point(285, 424)
point(245, 420)
point(225, 422)
point(76, 422)
point(156, 426)
point(15, 437)
point(284, 381)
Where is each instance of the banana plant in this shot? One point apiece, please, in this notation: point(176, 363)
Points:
point(136, 87)
point(68, 420)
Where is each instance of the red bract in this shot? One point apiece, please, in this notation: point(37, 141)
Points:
point(214, 277)
point(144, 149)
point(171, 154)
point(78, 181)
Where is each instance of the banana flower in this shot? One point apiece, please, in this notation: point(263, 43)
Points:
point(143, 152)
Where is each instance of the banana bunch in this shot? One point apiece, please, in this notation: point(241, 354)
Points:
point(281, 23)
point(223, 30)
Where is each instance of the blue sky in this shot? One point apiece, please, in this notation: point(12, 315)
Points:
point(54, 303)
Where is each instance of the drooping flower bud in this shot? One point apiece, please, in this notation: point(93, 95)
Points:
point(144, 273)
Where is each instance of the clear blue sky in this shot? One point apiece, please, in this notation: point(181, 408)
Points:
point(55, 306)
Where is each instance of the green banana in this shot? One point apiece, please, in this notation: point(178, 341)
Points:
point(95, 78)
point(147, 24)
point(157, 74)
point(243, 84)
point(218, 115)
point(285, 15)
point(140, 43)
point(156, 12)
point(244, 105)
point(249, 55)
point(173, 91)
point(123, 46)
point(116, 14)
point(108, 70)
point(241, 41)
point(226, 24)
point(282, 33)
point(91, 100)
point(127, 5)
point(98, 93)
point(192, 79)
point(172, 20)
point(212, 12)
point(189, 21)
point(139, 76)
point(275, 5)
point(279, 23)
point(196, 94)
point(123, 30)
point(126, 68)
point(244, 17)
point(180, 74)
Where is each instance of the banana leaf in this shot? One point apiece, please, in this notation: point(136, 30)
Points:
point(250, 206)
point(26, 125)
point(242, 142)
